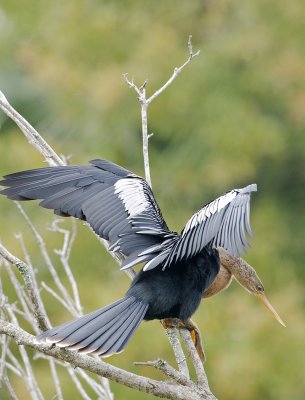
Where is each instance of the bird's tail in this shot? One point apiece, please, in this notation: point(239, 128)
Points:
point(103, 332)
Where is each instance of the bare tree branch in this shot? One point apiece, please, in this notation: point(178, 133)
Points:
point(143, 384)
point(55, 379)
point(176, 72)
point(9, 387)
point(24, 270)
point(78, 385)
point(31, 134)
point(167, 370)
point(29, 376)
point(144, 102)
point(172, 334)
point(64, 254)
point(48, 261)
point(201, 376)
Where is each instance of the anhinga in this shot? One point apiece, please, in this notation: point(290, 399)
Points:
point(179, 269)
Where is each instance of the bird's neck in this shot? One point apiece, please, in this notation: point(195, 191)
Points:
point(238, 267)
point(229, 266)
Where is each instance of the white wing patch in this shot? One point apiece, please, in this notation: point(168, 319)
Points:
point(210, 209)
point(131, 192)
point(223, 222)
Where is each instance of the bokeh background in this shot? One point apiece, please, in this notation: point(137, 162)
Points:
point(235, 116)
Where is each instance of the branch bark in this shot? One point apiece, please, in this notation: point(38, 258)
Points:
point(27, 275)
point(30, 133)
point(144, 102)
point(143, 384)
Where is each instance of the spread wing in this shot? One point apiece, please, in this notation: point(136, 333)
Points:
point(224, 222)
point(118, 205)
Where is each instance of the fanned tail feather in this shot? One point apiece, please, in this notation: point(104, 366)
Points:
point(103, 332)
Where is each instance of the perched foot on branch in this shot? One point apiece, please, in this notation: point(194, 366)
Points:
point(191, 327)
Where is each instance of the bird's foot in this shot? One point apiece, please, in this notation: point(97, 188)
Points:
point(191, 327)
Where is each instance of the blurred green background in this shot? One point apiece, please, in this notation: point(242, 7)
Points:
point(235, 116)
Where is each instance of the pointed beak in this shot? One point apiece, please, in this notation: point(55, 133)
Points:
point(265, 302)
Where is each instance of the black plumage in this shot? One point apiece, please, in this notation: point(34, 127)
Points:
point(120, 207)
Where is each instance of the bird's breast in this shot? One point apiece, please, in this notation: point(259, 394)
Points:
point(176, 292)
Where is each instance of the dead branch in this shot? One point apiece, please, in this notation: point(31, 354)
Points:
point(143, 384)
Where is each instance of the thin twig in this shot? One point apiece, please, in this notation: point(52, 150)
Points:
point(106, 387)
point(64, 254)
point(141, 91)
point(30, 377)
point(24, 270)
point(9, 388)
point(59, 298)
point(47, 259)
point(186, 337)
point(15, 362)
point(144, 105)
point(31, 134)
point(168, 370)
point(78, 385)
point(172, 334)
point(176, 72)
point(4, 348)
point(56, 381)
point(46, 151)
point(9, 366)
point(98, 388)
point(21, 295)
point(34, 280)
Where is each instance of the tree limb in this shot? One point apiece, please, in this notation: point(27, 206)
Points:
point(31, 134)
point(25, 272)
point(144, 102)
point(143, 384)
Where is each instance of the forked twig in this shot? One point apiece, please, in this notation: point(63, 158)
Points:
point(145, 102)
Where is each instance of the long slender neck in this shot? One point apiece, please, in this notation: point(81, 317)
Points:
point(229, 266)
point(241, 270)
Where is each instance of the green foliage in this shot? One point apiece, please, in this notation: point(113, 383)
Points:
point(235, 116)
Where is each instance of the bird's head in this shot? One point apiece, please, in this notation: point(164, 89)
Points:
point(247, 277)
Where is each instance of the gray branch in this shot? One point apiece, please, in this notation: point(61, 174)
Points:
point(25, 272)
point(31, 134)
point(164, 389)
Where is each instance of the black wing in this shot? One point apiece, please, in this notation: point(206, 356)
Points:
point(118, 205)
point(224, 222)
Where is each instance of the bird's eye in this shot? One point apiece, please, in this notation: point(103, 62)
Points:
point(260, 288)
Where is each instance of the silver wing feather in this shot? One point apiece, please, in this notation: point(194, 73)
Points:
point(223, 222)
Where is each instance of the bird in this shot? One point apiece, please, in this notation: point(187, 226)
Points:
point(179, 268)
